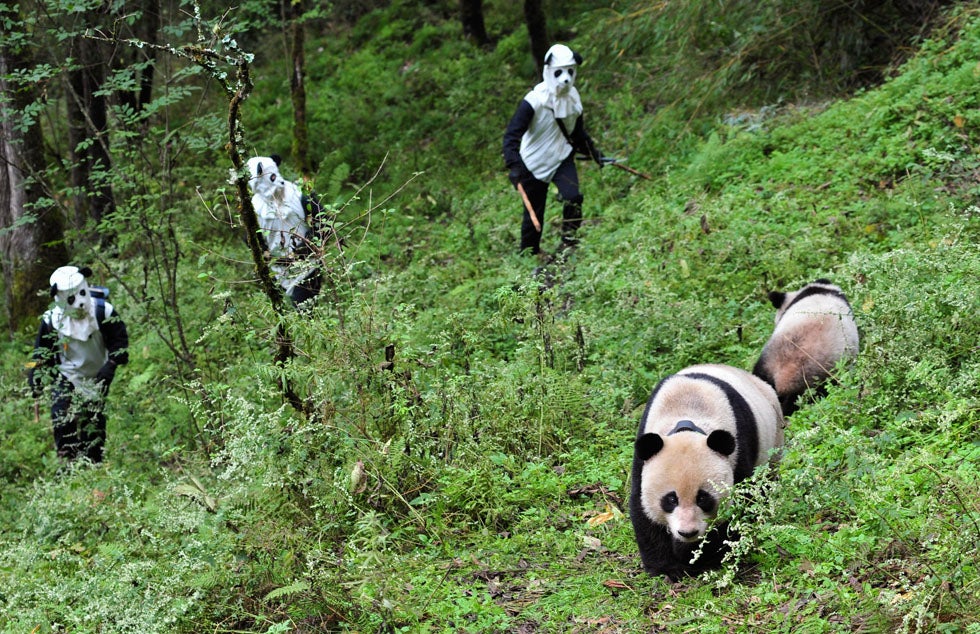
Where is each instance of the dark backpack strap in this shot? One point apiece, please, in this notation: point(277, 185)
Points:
point(564, 131)
point(99, 311)
point(589, 149)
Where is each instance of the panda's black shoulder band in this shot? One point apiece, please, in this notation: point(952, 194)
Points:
point(811, 291)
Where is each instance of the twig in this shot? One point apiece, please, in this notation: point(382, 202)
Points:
point(529, 207)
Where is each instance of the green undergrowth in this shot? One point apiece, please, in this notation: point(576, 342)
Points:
point(466, 467)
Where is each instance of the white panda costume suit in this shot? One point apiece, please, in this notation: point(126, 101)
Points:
point(80, 343)
point(284, 215)
point(540, 143)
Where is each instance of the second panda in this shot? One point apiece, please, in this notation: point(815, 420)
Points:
point(704, 429)
point(814, 330)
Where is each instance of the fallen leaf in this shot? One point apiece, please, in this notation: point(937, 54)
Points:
point(616, 583)
point(601, 518)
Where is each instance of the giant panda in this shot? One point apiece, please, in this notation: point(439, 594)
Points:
point(814, 330)
point(704, 429)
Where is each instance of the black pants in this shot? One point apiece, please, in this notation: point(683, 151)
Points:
point(566, 180)
point(307, 289)
point(78, 423)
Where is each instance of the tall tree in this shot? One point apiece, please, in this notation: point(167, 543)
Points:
point(471, 16)
point(88, 136)
point(31, 239)
point(537, 30)
point(293, 19)
point(144, 28)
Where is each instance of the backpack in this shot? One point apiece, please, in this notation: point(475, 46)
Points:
point(99, 294)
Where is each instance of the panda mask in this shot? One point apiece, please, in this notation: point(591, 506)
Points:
point(265, 180)
point(73, 314)
point(560, 69)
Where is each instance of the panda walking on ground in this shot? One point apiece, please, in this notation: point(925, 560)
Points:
point(705, 429)
point(814, 330)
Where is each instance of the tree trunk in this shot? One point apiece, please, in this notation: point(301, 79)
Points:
point(32, 245)
point(293, 11)
point(88, 137)
point(471, 16)
point(537, 30)
point(146, 29)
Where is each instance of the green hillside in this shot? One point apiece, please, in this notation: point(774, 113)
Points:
point(465, 467)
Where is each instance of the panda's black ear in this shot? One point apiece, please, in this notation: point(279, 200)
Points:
point(648, 445)
point(777, 298)
point(722, 442)
point(276, 159)
point(548, 58)
point(258, 169)
point(576, 57)
point(54, 290)
point(85, 271)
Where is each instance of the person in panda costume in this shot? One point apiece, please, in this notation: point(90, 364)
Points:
point(81, 342)
point(540, 144)
point(284, 213)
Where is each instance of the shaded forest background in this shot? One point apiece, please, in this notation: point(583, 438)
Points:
point(442, 443)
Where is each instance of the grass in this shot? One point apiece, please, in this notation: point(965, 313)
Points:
point(478, 484)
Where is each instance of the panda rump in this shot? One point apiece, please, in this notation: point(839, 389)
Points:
point(704, 429)
point(814, 330)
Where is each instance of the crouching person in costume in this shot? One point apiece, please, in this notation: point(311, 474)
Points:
point(78, 347)
point(284, 213)
point(540, 144)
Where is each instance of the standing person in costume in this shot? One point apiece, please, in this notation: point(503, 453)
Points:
point(540, 144)
point(78, 347)
point(284, 213)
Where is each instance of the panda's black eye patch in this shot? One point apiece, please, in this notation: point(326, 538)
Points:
point(70, 300)
point(272, 177)
point(557, 73)
point(82, 292)
point(571, 72)
point(706, 502)
point(669, 502)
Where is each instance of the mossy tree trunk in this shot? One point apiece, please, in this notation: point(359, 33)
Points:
point(293, 11)
point(33, 243)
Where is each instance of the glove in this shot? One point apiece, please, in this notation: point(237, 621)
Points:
point(518, 174)
point(105, 375)
point(36, 387)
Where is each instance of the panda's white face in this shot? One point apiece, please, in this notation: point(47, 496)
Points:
point(74, 302)
point(683, 484)
point(70, 291)
point(562, 78)
point(265, 179)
